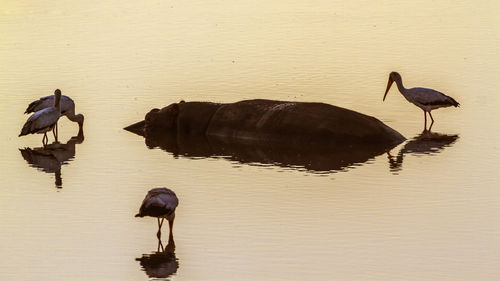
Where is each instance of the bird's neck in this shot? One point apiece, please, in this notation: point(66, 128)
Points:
point(57, 103)
point(401, 88)
point(71, 115)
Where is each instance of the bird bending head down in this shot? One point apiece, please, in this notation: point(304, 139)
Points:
point(394, 76)
point(424, 98)
point(79, 118)
point(66, 105)
point(44, 120)
point(160, 203)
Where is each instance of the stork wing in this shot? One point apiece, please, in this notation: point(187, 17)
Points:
point(160, 198)
point(427, 96)
point(67, 104)
point(170, 202)
point(40, 104)
point(43, 118)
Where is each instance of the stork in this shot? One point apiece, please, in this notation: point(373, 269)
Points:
point(426, 99)
point(44, 120)
point(67, 109)
point(160, 203)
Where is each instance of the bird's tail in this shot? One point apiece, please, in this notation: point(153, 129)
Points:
point(26, 129)
point(32, 107)
point(139, 215)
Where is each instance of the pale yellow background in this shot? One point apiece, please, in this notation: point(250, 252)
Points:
point(436, 219)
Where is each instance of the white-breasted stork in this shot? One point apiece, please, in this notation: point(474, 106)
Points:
point(426, 99)
point(44, 120)
point(160, 203)
point(67, 108)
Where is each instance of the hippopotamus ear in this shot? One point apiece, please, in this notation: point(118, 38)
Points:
point(149, 116)
point(175, 109)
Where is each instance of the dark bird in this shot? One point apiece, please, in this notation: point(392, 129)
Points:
point(426, 99)
point(160, 203)
point(67, 108)
point(44, 120)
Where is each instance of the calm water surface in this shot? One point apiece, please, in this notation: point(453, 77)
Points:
point(428, 210)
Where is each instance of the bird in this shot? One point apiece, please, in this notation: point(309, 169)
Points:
point(160, 203)
point(426, 99)
point(44, 120)
point(67, 108)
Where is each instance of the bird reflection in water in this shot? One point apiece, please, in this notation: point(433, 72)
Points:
point(426, 143)
point(51, 157)
point(162, 263)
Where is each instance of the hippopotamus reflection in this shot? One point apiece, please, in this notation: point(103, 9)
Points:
point(316, 158)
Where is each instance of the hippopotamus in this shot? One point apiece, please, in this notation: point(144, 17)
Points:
point(269, 121)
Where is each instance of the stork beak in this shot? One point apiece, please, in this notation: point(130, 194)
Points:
point(389, 83)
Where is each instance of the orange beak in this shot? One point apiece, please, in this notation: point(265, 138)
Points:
point(389, 83)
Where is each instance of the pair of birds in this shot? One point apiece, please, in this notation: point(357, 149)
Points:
point(46, 112)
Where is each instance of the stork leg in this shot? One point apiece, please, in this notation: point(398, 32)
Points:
point(171, 225)
point(160, 246)
point(45, 139)
point(425, 121)
point(432, 123)
point(55, 131)
point(160, 223)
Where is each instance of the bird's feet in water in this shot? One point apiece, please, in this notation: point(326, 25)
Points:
point(427, 129)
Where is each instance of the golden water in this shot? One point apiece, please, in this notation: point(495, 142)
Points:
point(434, 215)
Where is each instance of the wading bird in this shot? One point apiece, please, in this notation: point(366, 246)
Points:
point(67, 108)
point(426, 99)
point(160, 203)
point(44, 120)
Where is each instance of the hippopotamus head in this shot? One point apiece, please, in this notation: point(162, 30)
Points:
point(164, 119)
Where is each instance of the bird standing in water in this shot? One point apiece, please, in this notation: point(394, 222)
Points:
point(426, 99)
point(160, 203)
point(67, 108)
point(44, 120)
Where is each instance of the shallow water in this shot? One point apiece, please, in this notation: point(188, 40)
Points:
point(428, 211)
